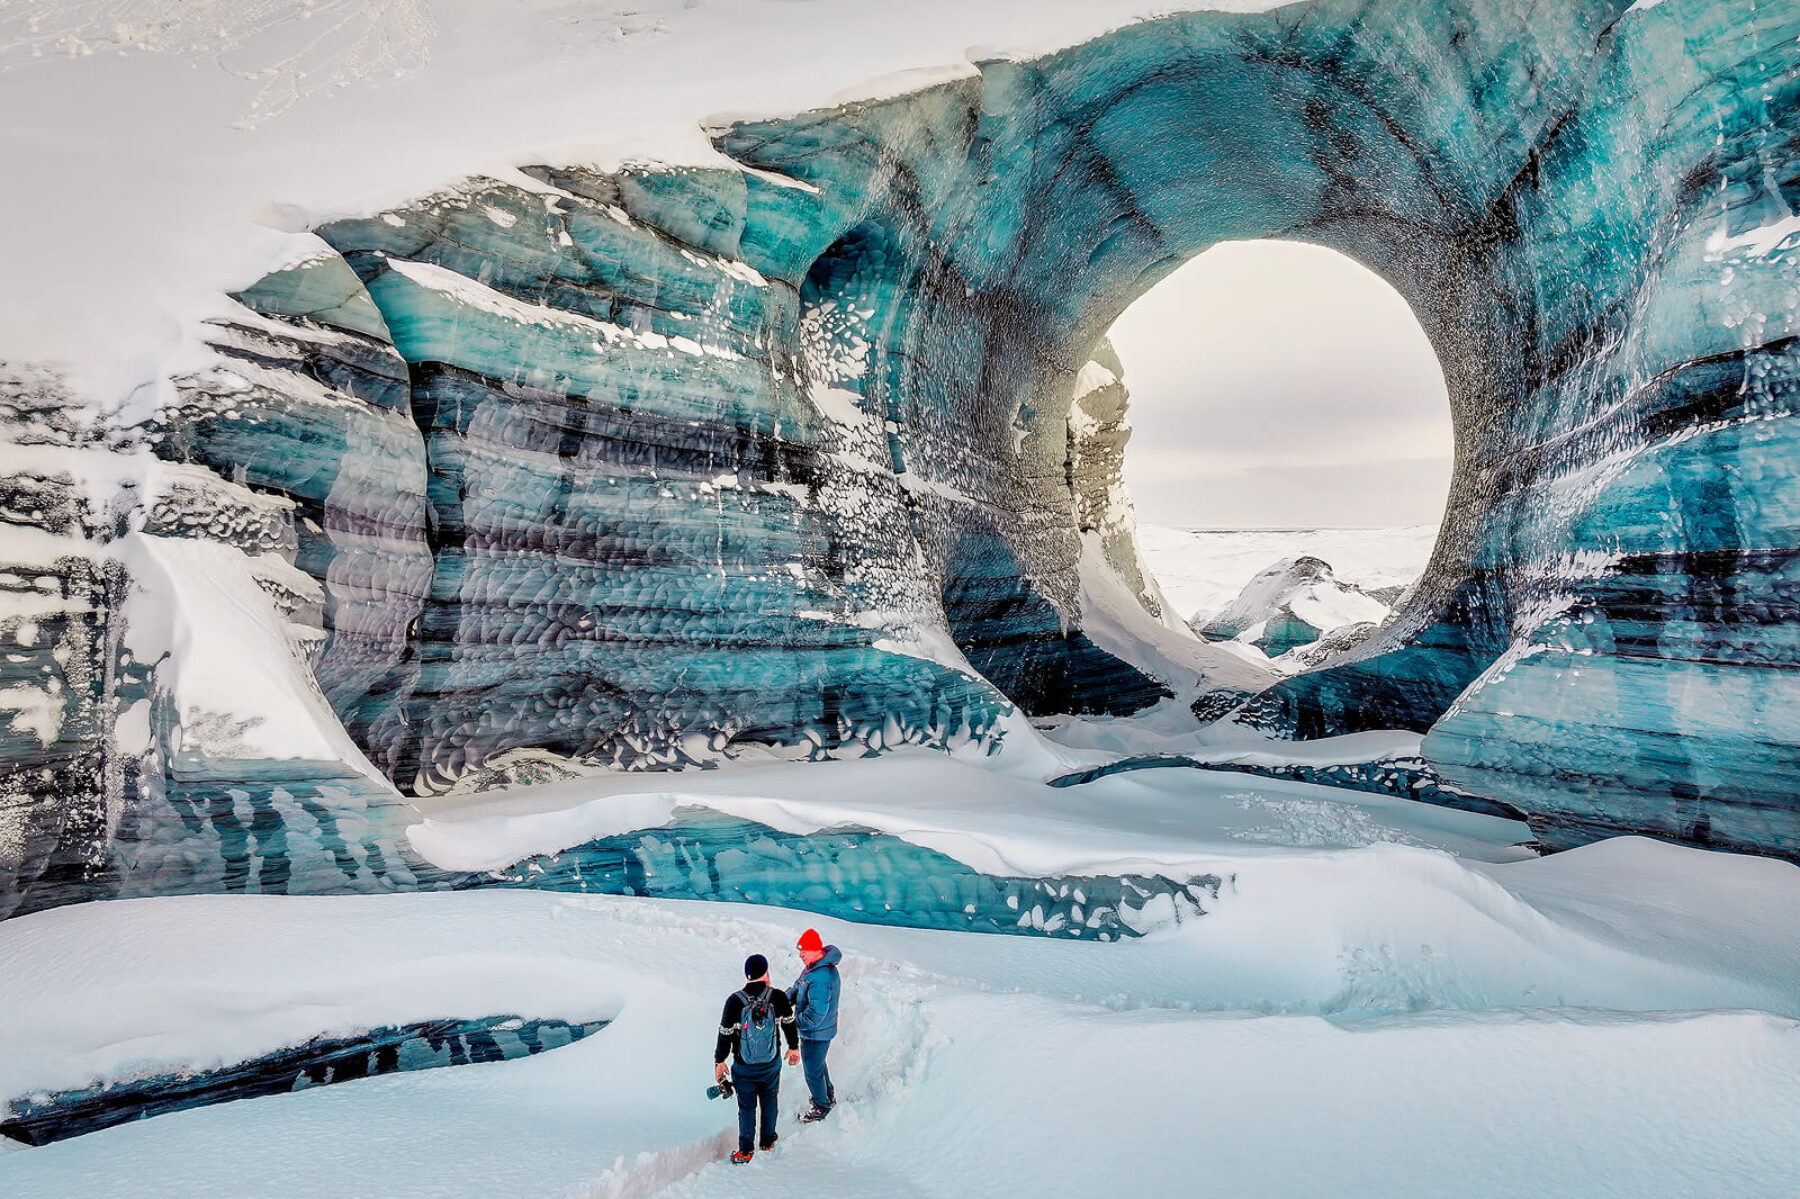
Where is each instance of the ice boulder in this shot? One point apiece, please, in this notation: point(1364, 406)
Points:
point(1292, 604)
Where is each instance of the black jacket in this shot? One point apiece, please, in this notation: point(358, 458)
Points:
point(734, 1011)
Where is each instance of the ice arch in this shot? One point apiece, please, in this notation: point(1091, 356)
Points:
point(1277, 383)
point(873, 333)
point(1607, 295)
point(639, 465)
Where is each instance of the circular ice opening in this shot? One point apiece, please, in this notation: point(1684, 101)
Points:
point(1285, 404)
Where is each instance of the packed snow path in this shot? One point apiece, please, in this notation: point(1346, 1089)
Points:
point(1618, 1020)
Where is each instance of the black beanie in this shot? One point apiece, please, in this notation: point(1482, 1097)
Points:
point(755, 966)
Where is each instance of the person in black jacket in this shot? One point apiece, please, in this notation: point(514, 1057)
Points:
point(750, 1031)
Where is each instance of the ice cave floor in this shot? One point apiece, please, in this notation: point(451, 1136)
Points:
point(1384, 999)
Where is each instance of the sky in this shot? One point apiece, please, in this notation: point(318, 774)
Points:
point(1278, 384)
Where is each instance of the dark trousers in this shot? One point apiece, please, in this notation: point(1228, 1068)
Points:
point(818, 1078)
point(755, 1084)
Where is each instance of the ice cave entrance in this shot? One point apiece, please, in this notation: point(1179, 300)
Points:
point(1291, 447)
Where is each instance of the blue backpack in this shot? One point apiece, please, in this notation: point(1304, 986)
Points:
point(758, 1039)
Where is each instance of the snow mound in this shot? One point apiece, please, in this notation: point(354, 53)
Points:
point(1179, 823)
point(1461, 1000)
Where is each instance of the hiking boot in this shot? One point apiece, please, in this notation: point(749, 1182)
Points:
point(770, 1143)
point(740, 1157)
point(814, 1114)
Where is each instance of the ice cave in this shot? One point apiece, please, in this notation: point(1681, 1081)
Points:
point(604, 557)
point(644, 466)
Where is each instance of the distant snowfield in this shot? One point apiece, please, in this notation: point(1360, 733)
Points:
point(1383, 1021)
point(1202, 570)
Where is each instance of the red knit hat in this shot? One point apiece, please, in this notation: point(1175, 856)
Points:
point(810, 941)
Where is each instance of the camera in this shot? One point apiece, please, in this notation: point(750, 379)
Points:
point(723, 1090)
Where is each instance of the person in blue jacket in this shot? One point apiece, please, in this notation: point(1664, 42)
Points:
point(815, 996)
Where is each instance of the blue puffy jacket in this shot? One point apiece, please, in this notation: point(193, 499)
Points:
point(815, 996)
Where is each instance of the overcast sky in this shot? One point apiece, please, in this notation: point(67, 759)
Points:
point(1281, 384)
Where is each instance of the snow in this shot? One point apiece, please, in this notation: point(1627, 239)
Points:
point(898, 83)
point(1759, 242)
point(34, 711)
point(1091, 378)
point(1324, 604)
point(231, 665)
point(1202, 570)
point(1388, 1021)
point(1169, 728)
point(176, 147)
point(1179, 821)
point(1114, 620)
point(1389, 999)
point(1328, 607)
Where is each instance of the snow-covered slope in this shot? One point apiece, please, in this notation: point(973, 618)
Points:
point(1381, 994)
point(1378, 1022)
point(1177, 822)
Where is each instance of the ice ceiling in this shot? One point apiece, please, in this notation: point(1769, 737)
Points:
point(815, 450)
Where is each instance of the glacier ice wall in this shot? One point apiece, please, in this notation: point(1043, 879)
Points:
point(805, 450)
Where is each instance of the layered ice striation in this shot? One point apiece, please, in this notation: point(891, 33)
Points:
point(813, 450)
point(632, 559)
point(61, 662)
